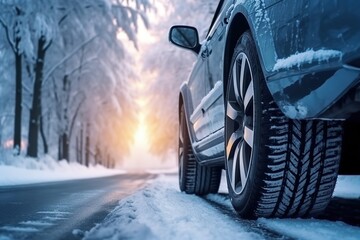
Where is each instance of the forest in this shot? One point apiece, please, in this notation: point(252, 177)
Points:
point(68, 77)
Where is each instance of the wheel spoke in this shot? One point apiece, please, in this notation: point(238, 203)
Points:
point(242, 74)
point(233, 140)
point(248, 136)
point(181, 151)
point(235, 164)
point(239, 123)
point(235, 79)
point(243, 176)
point(181, 133)
point(231, 112)
point(249, 94)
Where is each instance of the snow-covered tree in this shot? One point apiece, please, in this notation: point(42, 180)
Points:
point(14, 21)
point(77, 73)
point(171, 66)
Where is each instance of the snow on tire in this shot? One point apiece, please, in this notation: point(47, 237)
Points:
point(275, 166)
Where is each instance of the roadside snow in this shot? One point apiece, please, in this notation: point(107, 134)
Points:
point(347, 187)
point(22, 170)
point(312, 229)
point(160, 211)
point(306, 57)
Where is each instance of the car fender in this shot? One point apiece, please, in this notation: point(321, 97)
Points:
point(243, 17)
point(185, 99)
point(255, 16)
point(258, 22)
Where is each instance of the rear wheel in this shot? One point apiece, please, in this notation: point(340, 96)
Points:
point(194, 178)
point(275, 166)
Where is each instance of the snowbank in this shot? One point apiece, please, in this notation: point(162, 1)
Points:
point(161, 211)
point(23, 170)
point(347, 187)
point(312, 229)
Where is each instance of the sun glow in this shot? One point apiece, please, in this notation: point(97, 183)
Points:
point(145, 135)
point(141, 137)
point(140, 157)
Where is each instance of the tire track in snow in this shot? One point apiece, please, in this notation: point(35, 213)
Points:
point(161, 211)
point(217, 201)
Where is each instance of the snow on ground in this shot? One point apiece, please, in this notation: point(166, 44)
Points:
point(160, 211)
point(22, 170)
point(347, 187)
point(312, 229)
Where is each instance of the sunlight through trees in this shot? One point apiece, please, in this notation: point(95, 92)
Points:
point(65, 77)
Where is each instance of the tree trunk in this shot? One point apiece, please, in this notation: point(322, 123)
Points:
point(60, 148)
point(108, 161)
point(43, 137)
point(77, 149)
point(98, 155)
point(18, 78)
point(81, 144)
point(1, 129)
point(65, 147)
point(18, 102)
point(35, 110)
point(87, 145)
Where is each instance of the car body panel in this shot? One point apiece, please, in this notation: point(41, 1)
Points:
point(304, 33)
point(322, 45)
point(308, 88)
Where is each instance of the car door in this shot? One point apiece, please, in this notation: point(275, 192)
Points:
point(196, 86)
point(215, 42)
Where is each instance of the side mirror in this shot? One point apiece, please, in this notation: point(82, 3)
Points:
point(185, 37)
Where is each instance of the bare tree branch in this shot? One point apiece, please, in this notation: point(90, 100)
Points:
point(48, 74)
point(12, 45)
point(81, 65)
point(26, 105)
point(26, 88)
point(75, 116)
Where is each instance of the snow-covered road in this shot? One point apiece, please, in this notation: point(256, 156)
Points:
point(160, 211)
point(64, 209)
point(157, 211)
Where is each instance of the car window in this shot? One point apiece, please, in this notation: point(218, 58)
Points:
point(217, 11)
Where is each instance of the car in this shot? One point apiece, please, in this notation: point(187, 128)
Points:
point(273, 98)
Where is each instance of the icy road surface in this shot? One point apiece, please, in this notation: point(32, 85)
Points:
point(62, 210)
point(160, 211)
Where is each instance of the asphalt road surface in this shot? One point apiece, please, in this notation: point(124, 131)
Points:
point(65, 210)
point(62, 210)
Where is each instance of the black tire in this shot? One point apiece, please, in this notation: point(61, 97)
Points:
point(275, 166)
point(194, 178)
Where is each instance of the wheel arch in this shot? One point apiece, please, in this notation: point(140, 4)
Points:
point(181, 102)
point(185, 100)
point(238, 26)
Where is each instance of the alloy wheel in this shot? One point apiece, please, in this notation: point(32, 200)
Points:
point(240, 117)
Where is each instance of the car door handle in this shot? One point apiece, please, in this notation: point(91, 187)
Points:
point(206, 53)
